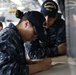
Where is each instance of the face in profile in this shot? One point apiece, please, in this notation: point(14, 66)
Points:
point(29, 32)
point(49, 21)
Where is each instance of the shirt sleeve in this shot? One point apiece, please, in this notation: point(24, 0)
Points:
point(36, 49)
point(10, 66)
point(11, 62)
point(60, 38)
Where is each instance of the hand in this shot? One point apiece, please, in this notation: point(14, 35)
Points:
point(40, 66)
point(45, 64)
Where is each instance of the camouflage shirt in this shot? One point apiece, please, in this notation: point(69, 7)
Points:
point(55, 34)
point(12, 53)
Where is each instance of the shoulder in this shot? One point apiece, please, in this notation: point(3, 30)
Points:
point(8, 34)
point(60, 22)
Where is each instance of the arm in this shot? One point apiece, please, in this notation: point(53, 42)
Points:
point(11, 62)
point(62, 48)
point(59, 44)
point(61, 41)
point(36, 50)
point(40, 66)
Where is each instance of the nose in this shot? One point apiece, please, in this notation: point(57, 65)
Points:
point(47, 19)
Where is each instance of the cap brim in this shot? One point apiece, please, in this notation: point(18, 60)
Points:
point(50, 14)
point(41, 34)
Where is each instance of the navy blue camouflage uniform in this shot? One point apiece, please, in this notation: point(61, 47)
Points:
point(12, 53)
point(56, 35)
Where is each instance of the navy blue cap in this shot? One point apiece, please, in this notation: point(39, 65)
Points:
point(49, 8)
point(37, 19)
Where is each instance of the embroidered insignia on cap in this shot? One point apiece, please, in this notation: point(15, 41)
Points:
point(49, 6)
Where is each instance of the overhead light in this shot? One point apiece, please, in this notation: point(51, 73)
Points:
point(18, 2)
point(1, 12)
point(20, 8)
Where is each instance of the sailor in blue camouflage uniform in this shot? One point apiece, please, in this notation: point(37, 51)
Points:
point(12, 38)
point(55, 28)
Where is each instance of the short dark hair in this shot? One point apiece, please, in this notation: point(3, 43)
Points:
point(1, 24)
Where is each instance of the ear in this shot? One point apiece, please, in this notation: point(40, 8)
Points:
point(26, 23)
